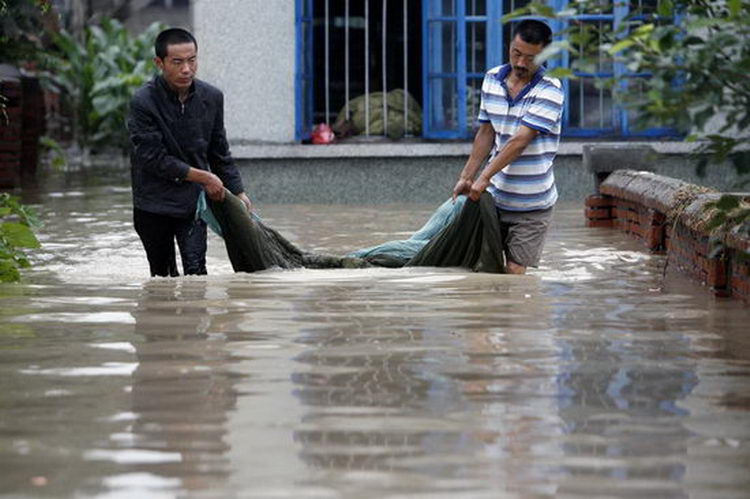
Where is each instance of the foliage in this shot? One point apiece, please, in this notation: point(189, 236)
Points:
point(729, 216)
point(100, 75)
point(21, 28)
point(58, 158)
point(16, 224)
point(3, 110)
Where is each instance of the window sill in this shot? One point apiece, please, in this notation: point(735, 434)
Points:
point(417, 149)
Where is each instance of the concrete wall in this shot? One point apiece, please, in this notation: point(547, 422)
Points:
point(419, 179)
point(247, 49)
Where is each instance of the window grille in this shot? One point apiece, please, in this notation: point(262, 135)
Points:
point(438, 51)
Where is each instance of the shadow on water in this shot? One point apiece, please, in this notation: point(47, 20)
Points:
point(589, 377)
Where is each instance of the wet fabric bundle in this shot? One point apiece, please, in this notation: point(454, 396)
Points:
point(465, 234)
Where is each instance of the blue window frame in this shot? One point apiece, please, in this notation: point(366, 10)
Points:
point(304, 73)
point(458, 37)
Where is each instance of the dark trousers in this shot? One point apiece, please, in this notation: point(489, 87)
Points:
point(158, 233)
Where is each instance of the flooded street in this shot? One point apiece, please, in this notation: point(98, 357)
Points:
point(591, 376)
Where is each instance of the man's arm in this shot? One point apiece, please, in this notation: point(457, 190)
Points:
point(508, 154)
point(483, 142)
point(220, 158)
point(149, 152)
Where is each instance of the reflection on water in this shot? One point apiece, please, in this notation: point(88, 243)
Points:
point(589, 377)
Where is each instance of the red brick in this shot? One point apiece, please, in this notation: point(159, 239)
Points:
point(599, 223)
point(599, 201)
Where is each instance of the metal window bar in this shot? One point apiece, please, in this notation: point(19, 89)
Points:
point(601, 89)
point(580, 92)
point(385, 81)
point(367, 68)
point(346, 59)
point(327, 64)
point(473, 63)
point(406, 68)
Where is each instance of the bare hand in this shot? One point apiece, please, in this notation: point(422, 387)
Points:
point(463, 186)
point(246, 200)
point(214, 187)
point(478, 187)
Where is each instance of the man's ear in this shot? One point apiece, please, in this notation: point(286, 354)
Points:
point(159, 63)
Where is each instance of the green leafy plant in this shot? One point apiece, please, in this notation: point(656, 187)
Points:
point(100, 75)
point(16, 233)
point(57, 157)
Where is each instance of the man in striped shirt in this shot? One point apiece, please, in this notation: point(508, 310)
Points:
point(520, 119)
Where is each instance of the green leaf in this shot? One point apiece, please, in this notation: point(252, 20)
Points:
point(735, 7)
point(716, 221)
point(523, 11)
point(665, 8)
point(741, 161)
point(552, 50)
point(620, 46)
point(560, 73)
point(18, 235)
point(8, 271)
point(727, 202)
point(700, 118)
point(644, 31)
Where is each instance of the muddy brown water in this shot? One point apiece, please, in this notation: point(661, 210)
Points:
point(592, 376)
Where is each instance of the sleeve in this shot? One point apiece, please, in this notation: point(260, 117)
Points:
point(219, 156)
point(545, 111)
point(149, 151)
point(482, 116)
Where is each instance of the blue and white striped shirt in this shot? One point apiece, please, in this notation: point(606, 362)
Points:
point(528, 183)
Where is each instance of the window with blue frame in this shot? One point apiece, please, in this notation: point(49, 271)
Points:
point(447, 55)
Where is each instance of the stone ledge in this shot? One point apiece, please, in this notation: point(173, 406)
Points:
point(415, 149)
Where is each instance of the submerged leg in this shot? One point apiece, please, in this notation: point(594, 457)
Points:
point(157, 235)
point(191, 239)
point(514, 268)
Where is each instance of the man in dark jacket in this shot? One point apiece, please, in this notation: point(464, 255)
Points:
point(179, 148)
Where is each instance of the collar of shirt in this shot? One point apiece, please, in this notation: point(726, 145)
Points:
point(502, 76)
point(162, 83)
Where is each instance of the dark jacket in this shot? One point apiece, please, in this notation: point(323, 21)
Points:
point(168, 137)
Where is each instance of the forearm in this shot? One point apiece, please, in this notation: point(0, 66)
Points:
point(199, 176)
point(483, 143)
point(508, 154)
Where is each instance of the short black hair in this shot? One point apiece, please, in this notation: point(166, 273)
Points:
point(533, 32)
point(172, 36)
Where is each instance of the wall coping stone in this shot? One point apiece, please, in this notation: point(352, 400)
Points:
point(653, 191)
point(673, 198)
point(383, 148)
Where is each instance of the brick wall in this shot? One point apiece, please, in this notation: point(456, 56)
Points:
point(10, 134)
point(19, 134)
point(669, 215)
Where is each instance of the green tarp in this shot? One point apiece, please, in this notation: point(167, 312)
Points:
point(470, 238)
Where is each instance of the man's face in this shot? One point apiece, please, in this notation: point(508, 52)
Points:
point(522, 57)
point(179, 66)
